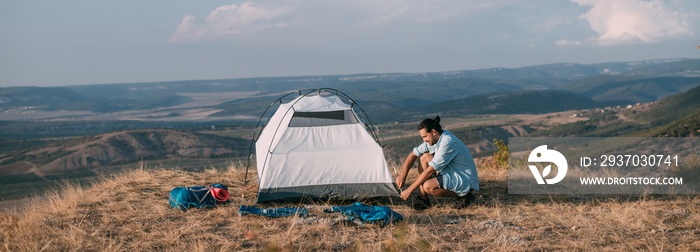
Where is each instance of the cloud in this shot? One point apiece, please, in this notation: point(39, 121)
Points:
point(231, 19)
point(633, 21)
point(565, 42)
point(324, 16)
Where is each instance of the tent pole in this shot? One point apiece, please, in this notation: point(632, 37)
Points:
point(253, 140)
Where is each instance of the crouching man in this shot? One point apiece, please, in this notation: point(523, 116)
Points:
point(445, 169)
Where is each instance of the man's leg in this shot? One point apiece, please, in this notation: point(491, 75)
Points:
point(431, 186)
point(423, 162)
point(422, 165)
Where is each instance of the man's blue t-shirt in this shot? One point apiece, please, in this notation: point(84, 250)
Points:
point(453, 161)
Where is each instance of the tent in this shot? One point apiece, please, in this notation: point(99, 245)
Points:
point(316, 146)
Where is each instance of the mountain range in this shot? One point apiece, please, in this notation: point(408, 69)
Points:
point(243, 100)
point(53, 133)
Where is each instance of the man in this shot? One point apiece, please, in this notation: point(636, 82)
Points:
point(446, 167)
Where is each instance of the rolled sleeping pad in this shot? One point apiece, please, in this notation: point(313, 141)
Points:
point(198, 196)
point(219, 194)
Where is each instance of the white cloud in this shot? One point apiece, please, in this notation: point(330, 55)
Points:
point(633, 21)
point(565, 42)
point(324, 15)
point(231, 20)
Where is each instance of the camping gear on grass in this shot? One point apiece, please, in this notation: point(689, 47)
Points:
point(382, 215)
point(317, 146)
point(274, 212)
point(198, 196)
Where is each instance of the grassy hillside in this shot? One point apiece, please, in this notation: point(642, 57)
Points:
point(62, 129)
point(599, 124)
point(671, 108)
point(672, 116)
point(130, 212)
point(126, 147)
point(688, 126)
point(29, 185)
point(28, 171)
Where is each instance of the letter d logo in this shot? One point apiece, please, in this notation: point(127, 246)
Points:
point(542, 154)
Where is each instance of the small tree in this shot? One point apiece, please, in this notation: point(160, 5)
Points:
point(500, 158)
point(502, 155)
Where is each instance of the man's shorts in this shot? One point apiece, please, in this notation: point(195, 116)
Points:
point(438, 177)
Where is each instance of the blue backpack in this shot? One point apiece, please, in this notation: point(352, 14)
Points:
point(198, 196)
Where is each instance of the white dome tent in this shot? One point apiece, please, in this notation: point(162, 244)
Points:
point(316, 146)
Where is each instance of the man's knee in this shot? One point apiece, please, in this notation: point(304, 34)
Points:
point(431, 186)
point(431, 190)
point(426, 158)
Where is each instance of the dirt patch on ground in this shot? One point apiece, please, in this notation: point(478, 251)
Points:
point(551, 118)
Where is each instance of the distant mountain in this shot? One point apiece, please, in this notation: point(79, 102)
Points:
point(630, 89)
point(548, 72)
point(684, 68)
point(48, 98)
point(521, 102)
point(378, 95)
point(123, 147)
point(418, 93)
point(65, 98)
point(552, 74)
point(242, 100)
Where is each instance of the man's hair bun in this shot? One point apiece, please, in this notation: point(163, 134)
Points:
point(431, 124)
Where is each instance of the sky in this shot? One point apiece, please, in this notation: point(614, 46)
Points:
point(77, 42)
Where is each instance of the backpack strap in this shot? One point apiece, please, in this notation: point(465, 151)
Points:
point(194, 191)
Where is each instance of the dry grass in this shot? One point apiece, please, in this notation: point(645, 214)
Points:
point(130, 212)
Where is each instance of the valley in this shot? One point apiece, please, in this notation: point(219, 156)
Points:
point(78, 134)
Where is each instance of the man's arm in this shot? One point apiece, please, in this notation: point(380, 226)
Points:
point(424, 176)
point(410, 160)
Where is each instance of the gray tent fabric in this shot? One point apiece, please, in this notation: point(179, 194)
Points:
point(316, 146)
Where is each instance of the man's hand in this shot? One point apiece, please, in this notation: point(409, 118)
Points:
point(400, 180)
point(405, 194)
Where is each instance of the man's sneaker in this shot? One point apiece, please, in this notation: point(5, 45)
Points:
point(421, 203)
point(466, 200)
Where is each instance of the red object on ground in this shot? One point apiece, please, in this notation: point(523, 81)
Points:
point(219, 194)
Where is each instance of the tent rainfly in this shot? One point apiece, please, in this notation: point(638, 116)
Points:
point(317, 147)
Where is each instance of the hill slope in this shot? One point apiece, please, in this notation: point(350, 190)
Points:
point(688, 126)
point(672, 116)
point(631, 89)
point(124, 147)
point(130, 212)
point(671, 108)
